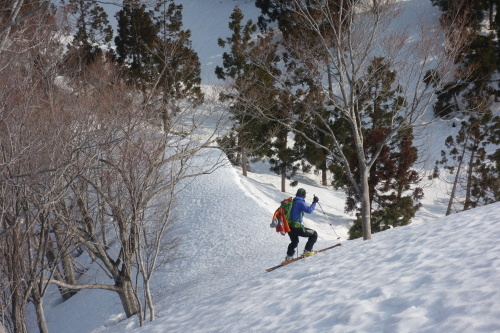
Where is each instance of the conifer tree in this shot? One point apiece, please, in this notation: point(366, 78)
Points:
point(282, 156)
point(250, 66)
point(317, 157)
point(236, 64)
point(177, 65)
point(91, 23)
point(475, 179)
point(134, 42)
point(480, 60)
point(303, 77)
point(312, 153)
point(92, 33)
point(160, 55)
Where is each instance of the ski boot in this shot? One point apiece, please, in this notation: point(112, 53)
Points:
point(287, 258)
point(308, 253)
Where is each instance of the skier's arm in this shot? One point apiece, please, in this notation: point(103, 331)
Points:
point(309, 209)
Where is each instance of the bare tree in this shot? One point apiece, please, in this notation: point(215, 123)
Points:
point(124, 165)
point(30, 163)
point(155, 245)
point(13, 14)
point(82, 157)
point(82, 163)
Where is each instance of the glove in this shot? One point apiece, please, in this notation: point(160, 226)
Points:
point(315, 199)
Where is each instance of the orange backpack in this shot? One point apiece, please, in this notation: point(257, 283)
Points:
point(282, 216)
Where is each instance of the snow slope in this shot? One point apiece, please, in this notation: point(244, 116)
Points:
point(438, 274)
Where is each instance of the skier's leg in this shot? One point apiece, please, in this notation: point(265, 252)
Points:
point(312, 238)
point(294, 241)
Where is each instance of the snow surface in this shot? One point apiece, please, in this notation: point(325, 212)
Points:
point(439, 274)
point(435, 276)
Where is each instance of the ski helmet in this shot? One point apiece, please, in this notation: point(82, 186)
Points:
point(301, 193)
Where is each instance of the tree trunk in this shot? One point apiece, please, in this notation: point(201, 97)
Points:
point(149, 300)
point(283, 176)
point(68, 275)
point(104, 232)
point(18, 314)
point(365, 205)
point(455, 182)
point(330, 80)
point(324, 170)
point(244, 166)
point(468, 186)
point(491, 15)
point(51, 259)
point(165, 120)
point(453, 190)
point(40, 314)
point(127, 297)
point(14, 12)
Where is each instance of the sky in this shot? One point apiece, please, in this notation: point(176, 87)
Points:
point(437, 274)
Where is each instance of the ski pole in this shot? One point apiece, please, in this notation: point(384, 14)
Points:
point(328, 220)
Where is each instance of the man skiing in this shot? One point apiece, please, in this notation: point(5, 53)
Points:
point(297, 229)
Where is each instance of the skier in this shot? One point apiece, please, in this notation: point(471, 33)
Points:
point(297, 229)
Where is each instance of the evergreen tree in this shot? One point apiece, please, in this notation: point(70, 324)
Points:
point(310, 102)
point(333, 40)
point(317, 157)
point(159, 54)
point(314, 153)
point(237, 61)
point(136, 37)
point(92, 31)
point(475, 180)
point(391, 175)
point(282, 156)
point(250, 66)
point(480, 59)
point(247, 133)
point(176, 64)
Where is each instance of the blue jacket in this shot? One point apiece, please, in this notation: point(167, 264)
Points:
point(298, 209)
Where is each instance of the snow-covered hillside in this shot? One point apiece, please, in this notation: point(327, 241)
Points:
point(438, 274)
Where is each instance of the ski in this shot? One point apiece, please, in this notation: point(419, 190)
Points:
point(284, 263)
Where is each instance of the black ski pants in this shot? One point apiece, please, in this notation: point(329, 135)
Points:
point(294, 235)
